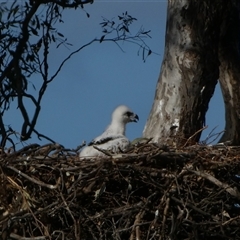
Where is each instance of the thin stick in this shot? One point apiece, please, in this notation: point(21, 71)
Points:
point(200, 130)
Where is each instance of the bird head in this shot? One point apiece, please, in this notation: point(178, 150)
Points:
point(124, 115)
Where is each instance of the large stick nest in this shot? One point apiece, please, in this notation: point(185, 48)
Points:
point(151, 192)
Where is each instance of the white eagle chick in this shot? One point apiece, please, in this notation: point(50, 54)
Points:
point(113, 139)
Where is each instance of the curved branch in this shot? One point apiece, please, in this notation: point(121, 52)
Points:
point(3, 132)
point(64, 4)
point(69, 56)
point(39, 135)
point(22, 41)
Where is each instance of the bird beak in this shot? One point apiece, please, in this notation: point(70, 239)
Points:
point(134, 118)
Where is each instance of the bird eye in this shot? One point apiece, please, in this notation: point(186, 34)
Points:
point(128, 114)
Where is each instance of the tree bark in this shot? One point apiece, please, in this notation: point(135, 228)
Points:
point(190, 69)
point(229, 57)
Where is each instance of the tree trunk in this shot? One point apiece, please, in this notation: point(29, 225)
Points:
point(190, 69)
point(229, 56)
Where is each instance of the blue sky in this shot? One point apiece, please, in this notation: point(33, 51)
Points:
point(78, 104)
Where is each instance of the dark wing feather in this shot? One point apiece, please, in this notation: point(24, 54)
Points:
point(101, 141)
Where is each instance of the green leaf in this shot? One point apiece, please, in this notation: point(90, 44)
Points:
point(60, 34)
point(53, 38)
point(101, 39)
point(33, 86)
point(15, 10)
point(34, 31)
point(38, 23)
point(146, 32)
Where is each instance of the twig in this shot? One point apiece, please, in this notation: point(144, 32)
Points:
point(230, 220)
point(164, 218)
point(191, 206)
point(200, 130)
point(76, 227)
point(38, 182)
point(103, 151)
point(136, 226)
point(230, 190)
point(39, 135)
point(15, 236)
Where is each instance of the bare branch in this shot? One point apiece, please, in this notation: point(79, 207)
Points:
point(27, 58)
point(69, 56)
point(65, 4)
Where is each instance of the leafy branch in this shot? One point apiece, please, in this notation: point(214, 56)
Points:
point(120, 31)
point(27, 34)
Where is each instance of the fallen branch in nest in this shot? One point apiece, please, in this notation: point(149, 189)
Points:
point(191, 206)
point(15, 236)
point(226, 187)
point(40, 183)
